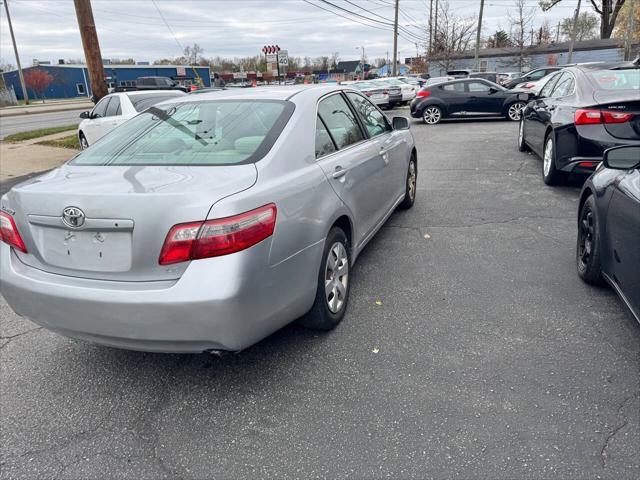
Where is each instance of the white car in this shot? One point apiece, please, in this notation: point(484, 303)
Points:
point(533, 87)
point(378, 94)
point(408, 90)
point(115, 109)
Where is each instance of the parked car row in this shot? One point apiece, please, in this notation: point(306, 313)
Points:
point(387, 92)
point(586, 119)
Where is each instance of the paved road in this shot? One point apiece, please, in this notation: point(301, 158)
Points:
point(487, 358)
point(32, 121)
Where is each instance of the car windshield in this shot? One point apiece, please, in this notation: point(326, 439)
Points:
point(142, 101)
point(624, 79)
point(220, 132)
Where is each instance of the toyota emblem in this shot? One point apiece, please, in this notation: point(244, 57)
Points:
point(73, 217)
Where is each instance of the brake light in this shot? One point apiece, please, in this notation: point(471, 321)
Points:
point(423, 93)
point(385, 92)
point(592, 117)
point(616, 117)
point(368, 94)
point(530, 85)
point(9, 232)
point(213, 238)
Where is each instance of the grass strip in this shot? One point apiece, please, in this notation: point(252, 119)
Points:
point(41, 132)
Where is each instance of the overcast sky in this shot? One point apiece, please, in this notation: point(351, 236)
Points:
point(48, 30)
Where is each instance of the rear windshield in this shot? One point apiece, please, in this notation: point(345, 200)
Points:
point(628, 79)
point(219, 132)
point(142, 101)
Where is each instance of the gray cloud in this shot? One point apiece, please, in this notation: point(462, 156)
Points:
point(47, 29)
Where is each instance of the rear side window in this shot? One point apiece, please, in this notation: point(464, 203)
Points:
point(477, 87)
point(143, 101)
point(628, 79)
point(564, 86)
point(340, 121)
point(373, 119)
point(537, 75)
point(220, 132)
point(454, 87)
point(324, 142)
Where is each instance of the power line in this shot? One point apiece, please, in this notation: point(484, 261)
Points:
point(165, 22)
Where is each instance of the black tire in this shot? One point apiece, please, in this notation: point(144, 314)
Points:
point(551, 175)
point(514, 111)
point(432, 115)
point(411, 184)
point(321, 317)
point(522, 145)
point(83, 141)
point(588, 248)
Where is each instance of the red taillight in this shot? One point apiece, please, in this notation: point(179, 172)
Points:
point(213, 238)
point(530, 85)
point(385, 92)
point(592, 117)
point(9, 232)
point(587, 164)
point(616, 117)
point(368, 94)
point(423, 93)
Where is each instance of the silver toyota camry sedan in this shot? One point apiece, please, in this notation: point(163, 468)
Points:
point(208, 222)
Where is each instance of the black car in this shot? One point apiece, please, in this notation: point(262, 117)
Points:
point(465, 97)
point(581, 111)
point(608, 246)
point(532, 76)
point(158, 83)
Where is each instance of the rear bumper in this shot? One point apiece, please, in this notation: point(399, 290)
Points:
point(581, 164)
point(223, 303)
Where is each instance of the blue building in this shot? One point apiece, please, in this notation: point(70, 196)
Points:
point(508, 59)
point(70, 81)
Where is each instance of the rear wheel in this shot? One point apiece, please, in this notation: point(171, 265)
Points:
point(522, 145)
point(514, 112)
point(83, 141)
point(432, 115)
point(332, 294)
point(411, 184)
point(588, 248)
point(550, 174)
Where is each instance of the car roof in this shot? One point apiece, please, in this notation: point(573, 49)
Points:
point(273, 92)
point(146, 92)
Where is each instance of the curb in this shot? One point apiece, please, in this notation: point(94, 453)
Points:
point(33, 112)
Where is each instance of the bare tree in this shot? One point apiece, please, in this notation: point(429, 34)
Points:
point(608, 11)
point(521, 19)
point(192, 54)
point(453, 34)
point(335, 58)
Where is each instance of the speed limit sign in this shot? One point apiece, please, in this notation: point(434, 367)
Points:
point(283, 58)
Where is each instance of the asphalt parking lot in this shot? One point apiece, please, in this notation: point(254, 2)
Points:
point(470, 350)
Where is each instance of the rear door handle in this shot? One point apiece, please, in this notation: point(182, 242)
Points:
point(339, 172)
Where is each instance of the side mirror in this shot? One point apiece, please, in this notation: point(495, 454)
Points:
point(86, 114)
point(400, 123)
point(625, 157)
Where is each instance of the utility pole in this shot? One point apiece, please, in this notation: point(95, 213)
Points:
point(574, 32)
point(15, 50)
point(558, 33)
point(430, 25)
point(435, 27)
point(395, 40)
point(476, 58)
point(91, 48)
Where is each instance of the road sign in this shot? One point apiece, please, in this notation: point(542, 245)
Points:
point(283, 58)
point(272, 57)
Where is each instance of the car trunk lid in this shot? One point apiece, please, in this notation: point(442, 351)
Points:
point(622, 110)
point(109, 222)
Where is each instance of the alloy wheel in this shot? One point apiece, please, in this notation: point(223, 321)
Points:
point(411, 181)
point(432, 115)
point(515, 111)
point(336, 277)
point(548, 157)
point(586, 237)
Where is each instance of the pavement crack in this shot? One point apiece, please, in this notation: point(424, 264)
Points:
point(10, 338)
point(605, 447)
